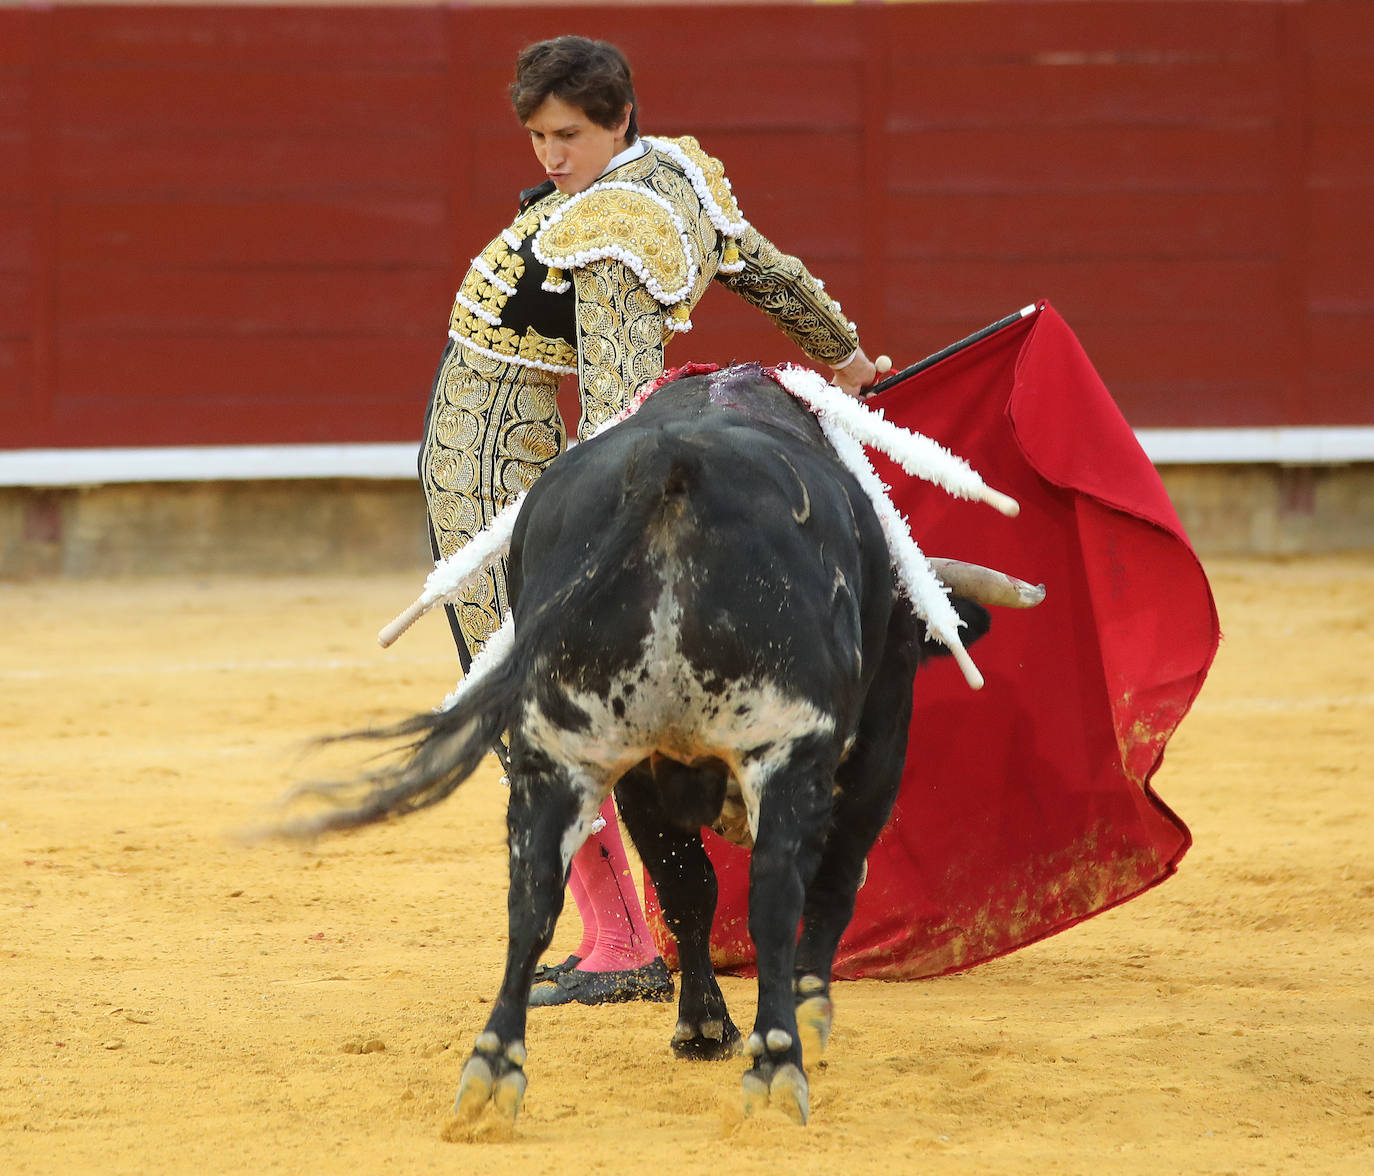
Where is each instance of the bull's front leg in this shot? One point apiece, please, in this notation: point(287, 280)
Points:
point(867, 785)
point(794, 807)
point(549, 816)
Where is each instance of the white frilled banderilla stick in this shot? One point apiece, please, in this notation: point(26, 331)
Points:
point(919, 455)
point(452, 575)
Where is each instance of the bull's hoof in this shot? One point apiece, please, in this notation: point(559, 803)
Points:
point(776, 1080)
point(706, 1041)
point(492, 1077)
point(509, 1094)
point(815, 1014)
point(781, 1088)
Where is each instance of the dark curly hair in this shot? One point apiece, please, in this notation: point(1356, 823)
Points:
point(592, 75)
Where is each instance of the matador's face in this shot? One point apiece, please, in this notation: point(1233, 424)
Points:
point(572, 149)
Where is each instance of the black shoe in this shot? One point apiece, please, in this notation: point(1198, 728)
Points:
point(546, 973)
point(651, 982)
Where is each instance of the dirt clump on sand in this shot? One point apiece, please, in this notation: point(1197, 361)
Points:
point(179, 1001)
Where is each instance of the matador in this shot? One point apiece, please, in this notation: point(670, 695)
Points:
point(594, 284)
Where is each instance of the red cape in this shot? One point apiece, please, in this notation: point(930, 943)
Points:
point(1025, 807)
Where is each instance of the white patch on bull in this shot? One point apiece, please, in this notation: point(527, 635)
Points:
point(661, 704)
point(590, 791)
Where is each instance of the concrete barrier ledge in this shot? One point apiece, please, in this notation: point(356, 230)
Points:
point(366, 525)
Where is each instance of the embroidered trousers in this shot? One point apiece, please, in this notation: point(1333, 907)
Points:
point(491, 429)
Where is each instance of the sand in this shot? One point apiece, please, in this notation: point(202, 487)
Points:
point(177, 1001)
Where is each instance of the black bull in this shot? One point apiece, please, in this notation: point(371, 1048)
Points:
point(706, 618)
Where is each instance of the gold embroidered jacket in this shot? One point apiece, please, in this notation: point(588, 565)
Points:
point(598, 282)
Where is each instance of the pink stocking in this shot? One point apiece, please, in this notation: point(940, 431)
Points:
point(585, 911)
point(609, 903)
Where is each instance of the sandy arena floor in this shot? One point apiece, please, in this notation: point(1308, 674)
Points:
point(177, 1002)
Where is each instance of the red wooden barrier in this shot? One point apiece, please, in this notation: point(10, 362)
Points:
point(246, 224)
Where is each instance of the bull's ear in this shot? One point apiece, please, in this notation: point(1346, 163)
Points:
point(977, 620)
point(538, 192)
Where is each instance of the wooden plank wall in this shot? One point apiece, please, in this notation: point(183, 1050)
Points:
point(1337, 212)
point(241, 224)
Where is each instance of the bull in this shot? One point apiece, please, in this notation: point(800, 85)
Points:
point(707, 620)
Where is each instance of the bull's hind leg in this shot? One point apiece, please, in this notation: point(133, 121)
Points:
point(686, 885)
point(548, 818)
point(794, 810)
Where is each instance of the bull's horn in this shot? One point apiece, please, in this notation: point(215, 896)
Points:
point(986, 585)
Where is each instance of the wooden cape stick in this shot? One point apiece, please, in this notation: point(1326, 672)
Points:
point(945, 352)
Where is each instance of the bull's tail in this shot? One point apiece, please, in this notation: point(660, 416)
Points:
point(446, 749)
